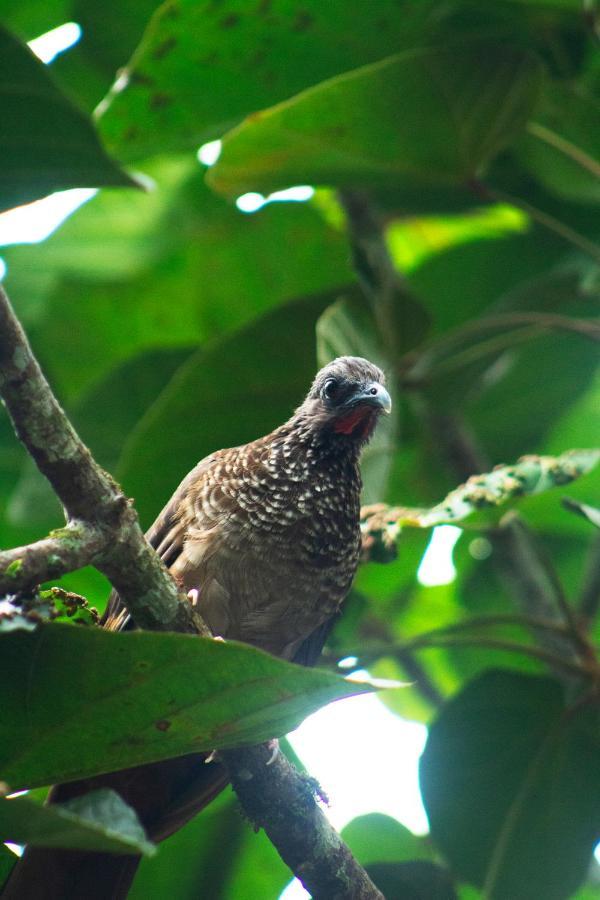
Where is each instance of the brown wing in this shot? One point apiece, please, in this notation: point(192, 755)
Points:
point(166, 535)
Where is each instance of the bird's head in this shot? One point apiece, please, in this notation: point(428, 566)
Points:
point(347, 397)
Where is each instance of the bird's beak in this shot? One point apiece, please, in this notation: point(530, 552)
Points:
point(373, 394)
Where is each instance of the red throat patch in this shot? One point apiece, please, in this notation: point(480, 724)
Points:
point(359, 421)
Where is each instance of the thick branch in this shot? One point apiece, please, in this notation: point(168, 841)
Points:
point(89, 494)
point(282, 801)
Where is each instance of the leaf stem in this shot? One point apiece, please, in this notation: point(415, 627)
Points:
point(547, 221)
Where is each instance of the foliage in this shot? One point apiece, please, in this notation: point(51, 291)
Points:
point(170, 324)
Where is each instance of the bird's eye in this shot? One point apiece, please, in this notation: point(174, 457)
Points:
point(330, 389)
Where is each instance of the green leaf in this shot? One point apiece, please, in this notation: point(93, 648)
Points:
point(96, 821)
point(436, 116)
point(376, 837)
point(419, 880)
point(511, 785)
point(141, 697)
point(217, 854)
point(47, 143)
point(7, 861)
point(561, 147)
point(251, 57)
point(178, 266)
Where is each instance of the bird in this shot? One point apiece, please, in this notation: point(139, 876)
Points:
point(265, 539)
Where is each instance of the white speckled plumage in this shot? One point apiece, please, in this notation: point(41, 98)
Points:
point(269, 532)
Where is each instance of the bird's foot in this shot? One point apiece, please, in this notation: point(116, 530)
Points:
point(193, 596)
point(274, 748)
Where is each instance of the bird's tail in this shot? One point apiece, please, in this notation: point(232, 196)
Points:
point(165, 796)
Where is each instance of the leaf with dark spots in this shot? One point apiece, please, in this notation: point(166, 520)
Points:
point(435, 116)
point(230, 21)
point(122, 714)
point(167, 46)
point(301, 44)
point(160, 101)
point(303, 21)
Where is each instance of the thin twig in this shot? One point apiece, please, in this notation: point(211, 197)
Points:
point(589, 601)
point(547, 221)
point(475, 622)
point(75, 546)
point(552, 659)
point(567, 148)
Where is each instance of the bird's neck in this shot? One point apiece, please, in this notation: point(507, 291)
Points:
point(300, 437)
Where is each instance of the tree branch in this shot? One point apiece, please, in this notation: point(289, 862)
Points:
point(91, 498)
point(65, 550)
point(282, 801)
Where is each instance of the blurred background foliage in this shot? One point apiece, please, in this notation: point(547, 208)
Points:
point(170, 323)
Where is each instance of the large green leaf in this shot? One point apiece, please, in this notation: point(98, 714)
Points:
point(96, 821)
point(561, 147)
point(7, 861)
point(172, 269)
point(511, 785)
point(417, 880)
point(47, 143)
point(436, 116)
point(250, 57)
point(376, 837)
point(141, 697)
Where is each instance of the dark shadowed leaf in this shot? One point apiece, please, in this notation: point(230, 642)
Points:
point(141, 697)
point(96, 821)
point(7, 861)
point(47, 142)
point(436, 116)
point(379, 838)
point(417, 880)
point(511, 784)
point(217, 854)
